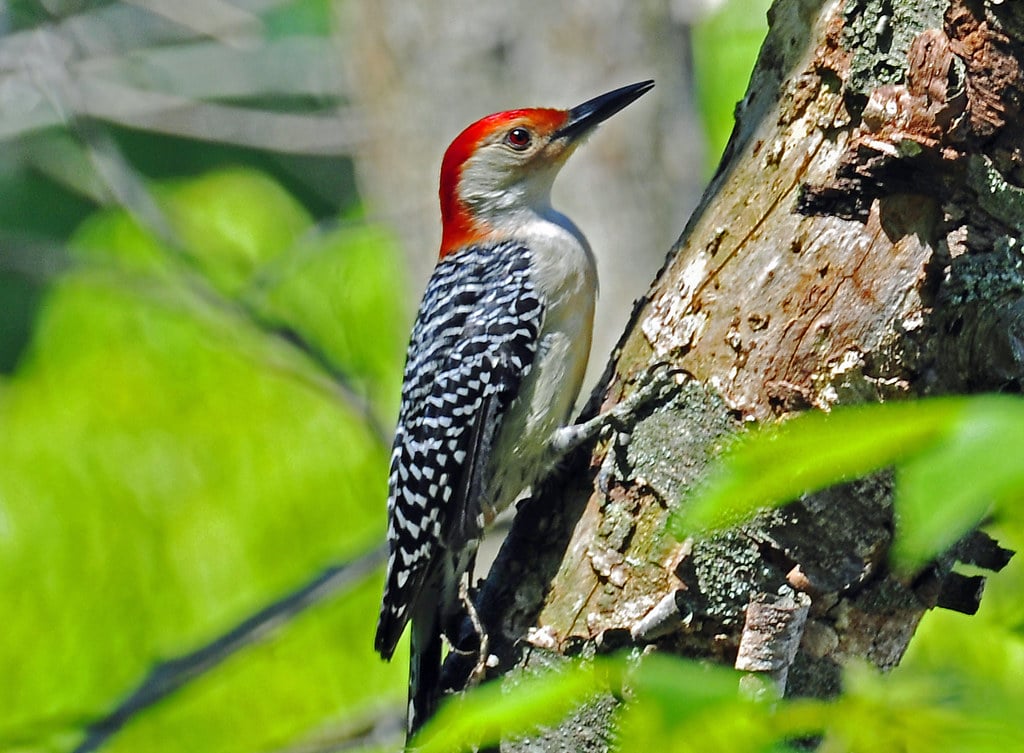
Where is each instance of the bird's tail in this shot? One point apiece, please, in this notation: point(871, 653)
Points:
point(424, 669)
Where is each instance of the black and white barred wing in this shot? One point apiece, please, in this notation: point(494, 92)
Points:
point(474, 340)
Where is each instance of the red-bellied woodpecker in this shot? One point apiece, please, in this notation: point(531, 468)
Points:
point(494, 366)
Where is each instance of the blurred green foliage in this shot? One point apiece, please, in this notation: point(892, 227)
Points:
point(516, 706)
point(201, 343)
point(725, 46)
point(177, 455)
point(952, 457)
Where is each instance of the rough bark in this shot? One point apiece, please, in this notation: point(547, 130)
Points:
point(859, 243)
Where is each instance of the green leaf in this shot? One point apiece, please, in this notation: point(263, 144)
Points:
point(775, 464)
point(293, 689)
point(232, 222)
point(113, 237)
point(922, 712)
point(165, 472)
point(945, 492)
point(169, 469)
point(725, 46)
point(669, 699)
point(227, 224)
point(515, 706)
point(953, 457)
point(340, 290)
point(684, 706)
point(684, 687)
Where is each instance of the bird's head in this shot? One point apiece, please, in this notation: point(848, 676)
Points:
point(505, 163)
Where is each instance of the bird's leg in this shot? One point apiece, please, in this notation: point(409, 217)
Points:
point(458, 634)
point(655, 384)
point(484, 644)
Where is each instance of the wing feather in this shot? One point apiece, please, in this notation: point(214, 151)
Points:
point(474, 340)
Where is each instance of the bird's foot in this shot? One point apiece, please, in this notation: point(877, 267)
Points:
point(653, 386)
point(483, 651)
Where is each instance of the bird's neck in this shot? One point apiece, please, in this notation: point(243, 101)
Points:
point(500, 217)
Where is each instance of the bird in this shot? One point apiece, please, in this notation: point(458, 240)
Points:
point(494, 365)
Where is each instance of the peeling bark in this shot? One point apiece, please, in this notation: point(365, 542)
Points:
point(772, 632)
point(860, 242)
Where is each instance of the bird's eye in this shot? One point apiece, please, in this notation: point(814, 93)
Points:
point(518, 138)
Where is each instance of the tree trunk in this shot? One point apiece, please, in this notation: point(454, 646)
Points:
point(859, 243)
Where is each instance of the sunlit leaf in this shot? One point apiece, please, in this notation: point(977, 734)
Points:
point(917, 712)
point(945, 492)
point(337, 290)
point(169, 469)
point(775, 464)
point(954, 459)
point(682, 706)
point(517, 707)
point(725, 46)
point(232, 222)
point(227, 223)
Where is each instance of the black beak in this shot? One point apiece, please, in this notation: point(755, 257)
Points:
point(583, 118)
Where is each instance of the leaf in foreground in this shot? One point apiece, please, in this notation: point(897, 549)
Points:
point(955, 458)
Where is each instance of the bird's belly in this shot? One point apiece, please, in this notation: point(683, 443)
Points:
point(546, 398)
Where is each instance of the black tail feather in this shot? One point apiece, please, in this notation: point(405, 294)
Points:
point(424, 670)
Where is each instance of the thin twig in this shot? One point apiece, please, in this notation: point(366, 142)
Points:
point(169, 676)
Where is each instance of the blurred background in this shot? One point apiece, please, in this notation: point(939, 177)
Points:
point(216, 220)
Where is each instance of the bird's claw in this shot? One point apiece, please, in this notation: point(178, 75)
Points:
point(483, 652)
point(653, 387)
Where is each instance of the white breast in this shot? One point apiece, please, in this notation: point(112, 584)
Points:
point(566, 276)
